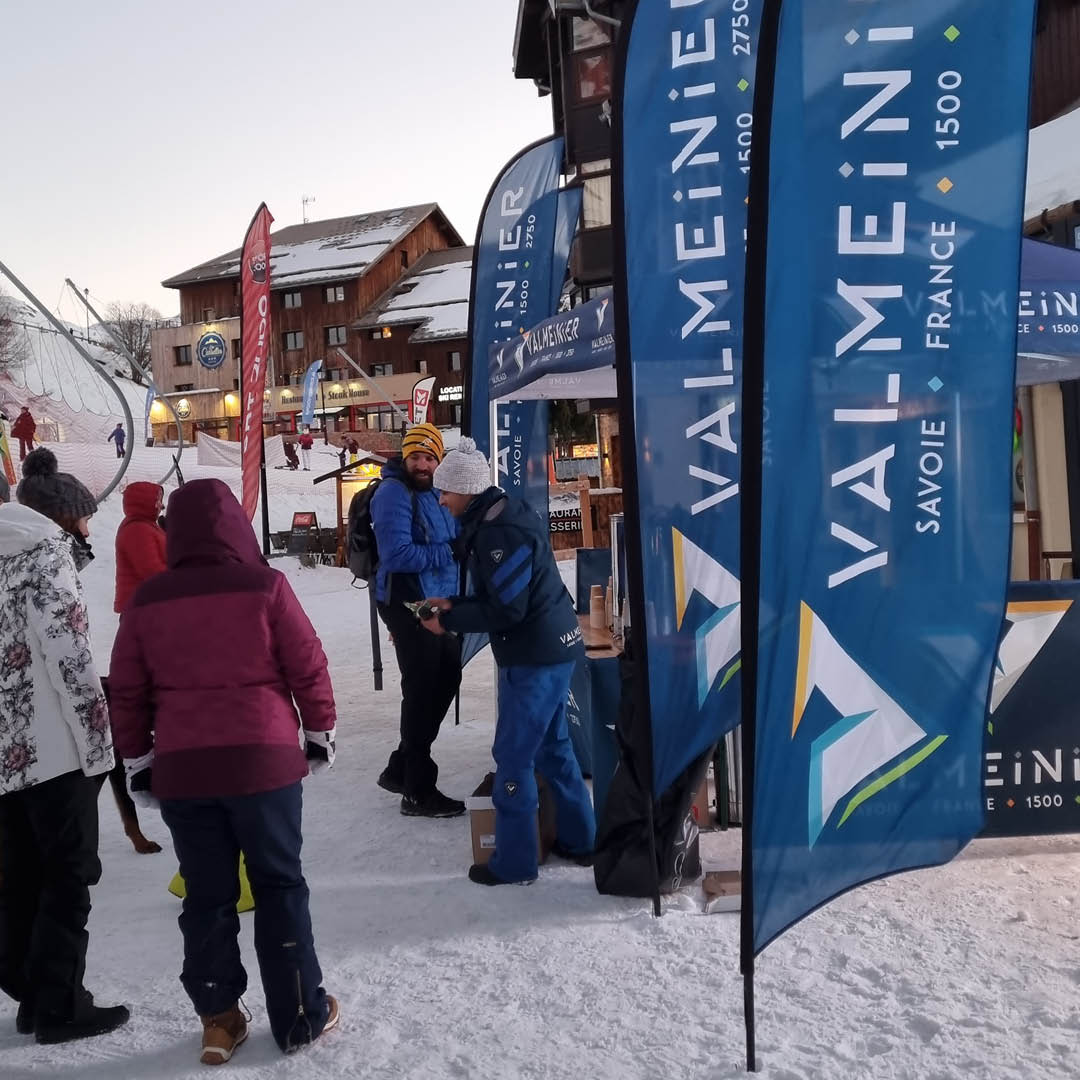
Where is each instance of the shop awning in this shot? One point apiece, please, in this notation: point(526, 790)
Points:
point(573, 354)
point(569, 356)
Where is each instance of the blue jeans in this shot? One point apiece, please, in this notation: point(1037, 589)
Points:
point(531, 736)
point(209, 835)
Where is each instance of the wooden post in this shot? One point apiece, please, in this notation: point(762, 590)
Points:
point(586, 513)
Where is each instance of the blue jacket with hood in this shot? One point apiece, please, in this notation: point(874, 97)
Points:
point(414, 543)
point(520, 599)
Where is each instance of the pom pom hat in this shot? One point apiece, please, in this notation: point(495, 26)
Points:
point(424, 439)
point(61, 497)
point(464, 471)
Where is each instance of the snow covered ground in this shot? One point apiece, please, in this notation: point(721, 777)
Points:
point(967, 971)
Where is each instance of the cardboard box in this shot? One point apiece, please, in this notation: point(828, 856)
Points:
point(723, 890)
point(481, 811)
point(700, 806)
point(482, 825)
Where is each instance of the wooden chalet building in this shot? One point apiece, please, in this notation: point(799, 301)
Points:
point(326, 276)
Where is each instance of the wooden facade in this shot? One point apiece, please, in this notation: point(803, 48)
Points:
point(1056, 84)
point(208, 301)
point(214, 305)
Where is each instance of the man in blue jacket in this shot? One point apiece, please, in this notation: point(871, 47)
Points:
point(521, 602)
point(413, 535)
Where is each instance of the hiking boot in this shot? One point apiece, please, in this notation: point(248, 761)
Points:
point(222, 1034)
point(435, 805)
point(482, 875)
point(581, 858)
point(86, 1021)
point(24, 1019)
point(389, 782)
point(333, 1014)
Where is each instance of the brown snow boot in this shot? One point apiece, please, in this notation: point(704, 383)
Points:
point(222, 1034)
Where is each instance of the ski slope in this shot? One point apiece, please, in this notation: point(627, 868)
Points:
point(967, 971)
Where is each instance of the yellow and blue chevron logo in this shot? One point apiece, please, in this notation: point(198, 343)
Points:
point(872, 729)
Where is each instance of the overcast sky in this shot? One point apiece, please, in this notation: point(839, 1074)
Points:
point(134, 147)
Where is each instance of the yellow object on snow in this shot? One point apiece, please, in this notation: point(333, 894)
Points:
point(246, 901)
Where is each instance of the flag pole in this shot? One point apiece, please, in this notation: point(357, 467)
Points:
point(635, 557)
point(753, 399)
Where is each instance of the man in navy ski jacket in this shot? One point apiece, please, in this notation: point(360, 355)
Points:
point(413, 536)
point(522, 604)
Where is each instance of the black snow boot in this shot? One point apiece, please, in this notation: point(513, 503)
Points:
point(389, 782)
point(85, 1021)
point(434, 805)
point(24, 1019)
point(481, 875)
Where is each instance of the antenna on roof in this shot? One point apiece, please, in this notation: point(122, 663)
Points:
point(305, 202)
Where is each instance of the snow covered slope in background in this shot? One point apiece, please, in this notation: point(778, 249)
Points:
point(58, 384)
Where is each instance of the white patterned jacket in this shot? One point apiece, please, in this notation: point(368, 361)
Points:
point(53, 717)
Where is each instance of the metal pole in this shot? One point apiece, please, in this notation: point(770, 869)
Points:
point(403, 417)
point(95, 366)
point(1032, 514)
point(147, 375)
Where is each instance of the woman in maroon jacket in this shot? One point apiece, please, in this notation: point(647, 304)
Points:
point(140, 541)
point(212, 660)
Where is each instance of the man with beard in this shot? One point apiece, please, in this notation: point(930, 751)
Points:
point(414, 537)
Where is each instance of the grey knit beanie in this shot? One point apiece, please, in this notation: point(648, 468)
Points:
point(464, 471)
point(59, 496)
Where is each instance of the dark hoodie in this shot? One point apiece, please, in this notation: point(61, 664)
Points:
point(211, 656)
point(140, 542)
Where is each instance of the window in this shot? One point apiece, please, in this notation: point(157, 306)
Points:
point(378, 370)
point(596, 202)
point(236, 384)
point(379, 419)
point(207, 314)
point(236, 348)
point(455, 361)
point(335, 294)
point(423, 367)
point(589, 34)
point(456, 411)
point(182, 386)
point(335, 335)
point(182, 355)
point(292, 340)
point(592, 76)
point(404, 259)
point(290, 300)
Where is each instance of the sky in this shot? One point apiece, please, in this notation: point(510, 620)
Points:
point(134, 149)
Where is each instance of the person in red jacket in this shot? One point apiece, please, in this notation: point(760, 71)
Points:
point(306, 441)
point(23, 429)
point(206, 719)
point(140, 541)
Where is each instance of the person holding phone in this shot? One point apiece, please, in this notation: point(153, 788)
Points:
point(521, 602)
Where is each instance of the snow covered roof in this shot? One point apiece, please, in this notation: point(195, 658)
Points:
point(323, 250)
point(434, 297)
point(1053, 175)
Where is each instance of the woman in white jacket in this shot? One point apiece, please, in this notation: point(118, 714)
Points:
point(55, 750)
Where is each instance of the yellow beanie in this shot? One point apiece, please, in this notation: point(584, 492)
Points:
point(425, 439)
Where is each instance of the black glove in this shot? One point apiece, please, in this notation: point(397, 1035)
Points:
point(320, 749)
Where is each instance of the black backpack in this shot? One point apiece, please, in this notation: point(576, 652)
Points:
point(360, 542)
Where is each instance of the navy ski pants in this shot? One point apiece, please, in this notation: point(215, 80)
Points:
point(209, 835)
point(532, 736)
